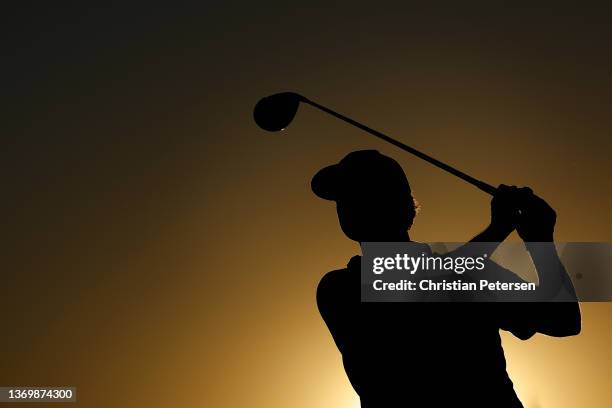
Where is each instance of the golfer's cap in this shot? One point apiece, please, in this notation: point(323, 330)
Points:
point(361, 172)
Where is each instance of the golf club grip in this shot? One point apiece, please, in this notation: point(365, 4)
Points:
point(487, 188)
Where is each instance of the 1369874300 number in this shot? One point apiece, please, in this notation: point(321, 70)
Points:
point(41, 394)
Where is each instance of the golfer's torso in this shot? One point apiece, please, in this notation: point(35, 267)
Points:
point(445, 353)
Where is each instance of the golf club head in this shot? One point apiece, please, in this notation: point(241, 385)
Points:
point(275, 112)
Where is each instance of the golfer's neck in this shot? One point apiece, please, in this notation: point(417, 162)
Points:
point(402, 237)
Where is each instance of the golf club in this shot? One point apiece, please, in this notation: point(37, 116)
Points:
point(275, 112)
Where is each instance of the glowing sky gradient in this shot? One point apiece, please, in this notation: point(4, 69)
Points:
point(160, 250)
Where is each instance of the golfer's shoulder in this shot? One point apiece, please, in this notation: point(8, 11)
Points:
point(332, 282)
point(336, 286)
point(331, 292)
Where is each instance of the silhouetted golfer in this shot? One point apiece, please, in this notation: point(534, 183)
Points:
point(429, 354)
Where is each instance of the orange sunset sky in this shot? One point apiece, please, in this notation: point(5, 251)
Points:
point(159, 250)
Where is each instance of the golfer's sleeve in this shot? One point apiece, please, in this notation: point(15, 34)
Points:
point(331, 304)
point(519, 318)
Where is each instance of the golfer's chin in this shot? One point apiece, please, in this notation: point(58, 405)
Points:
point(370, 234)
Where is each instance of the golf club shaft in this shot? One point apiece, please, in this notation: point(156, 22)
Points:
point(487, 188)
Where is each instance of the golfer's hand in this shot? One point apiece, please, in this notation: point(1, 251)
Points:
point(504, 209)
point(536, 222)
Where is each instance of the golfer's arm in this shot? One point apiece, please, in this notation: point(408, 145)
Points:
point(491, 234)
point(559, 314)
point(491, 237)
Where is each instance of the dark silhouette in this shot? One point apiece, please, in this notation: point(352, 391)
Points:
point(429, 354)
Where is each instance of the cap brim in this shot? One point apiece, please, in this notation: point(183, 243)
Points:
point(326, 183)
